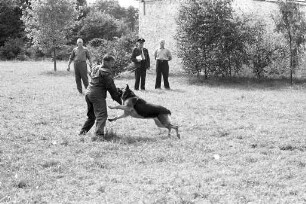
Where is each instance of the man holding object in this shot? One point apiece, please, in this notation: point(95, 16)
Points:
point(140, 58)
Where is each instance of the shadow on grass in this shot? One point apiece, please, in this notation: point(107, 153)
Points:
point(57, 73)
point(112, 136)
point(163, 91)
point(248, 83)
point(290, 147)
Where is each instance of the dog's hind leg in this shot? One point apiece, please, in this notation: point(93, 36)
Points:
point(159, 124)
point(169, 131)
point(163, 120)
point(177, 133)
point(170, 126)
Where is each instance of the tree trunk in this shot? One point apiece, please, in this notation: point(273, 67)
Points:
point(54, 58)
point(230, 66)
point(205, 71)
point(205, 66)
point(291, 62)
point(197, 70)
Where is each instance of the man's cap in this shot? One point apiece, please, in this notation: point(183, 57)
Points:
point(108, 58)
point(141, 40)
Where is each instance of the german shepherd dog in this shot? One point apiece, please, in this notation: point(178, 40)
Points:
point(138, 108)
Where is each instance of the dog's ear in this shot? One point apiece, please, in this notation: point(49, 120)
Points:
point(127, 86)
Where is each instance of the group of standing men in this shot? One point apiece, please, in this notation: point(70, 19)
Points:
point(140, 57)
point(102, 81)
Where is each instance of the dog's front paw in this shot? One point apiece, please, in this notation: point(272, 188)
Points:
point(111, 119)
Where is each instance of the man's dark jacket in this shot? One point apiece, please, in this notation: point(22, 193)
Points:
point(136, 52)
point(101, 82)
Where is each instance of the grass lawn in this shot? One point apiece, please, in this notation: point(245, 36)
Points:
point(240, 142)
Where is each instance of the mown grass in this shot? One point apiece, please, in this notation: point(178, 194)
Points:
point(241, 143)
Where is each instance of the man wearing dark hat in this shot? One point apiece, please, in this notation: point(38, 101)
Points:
point(101, 82)
point(141, 59)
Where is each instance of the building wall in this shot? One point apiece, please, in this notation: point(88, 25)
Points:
point(157, 20)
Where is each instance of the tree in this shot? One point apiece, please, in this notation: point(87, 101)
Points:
point(82, 9)
point(10, 24)
point(110, 7)
point(46, 21)
point(292, 24)
point(131, 18)
point(127, 15)
point(81, 3)
point(101, 25)
point(120, 48)
point(265, 50)
point(210, 38)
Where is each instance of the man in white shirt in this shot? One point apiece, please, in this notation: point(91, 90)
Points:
point(162, 56)
point(79, 55)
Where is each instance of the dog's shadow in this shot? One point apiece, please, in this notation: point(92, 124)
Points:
point(113, 137)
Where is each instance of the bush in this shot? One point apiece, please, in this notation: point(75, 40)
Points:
point(100, 25)
point(211, 39)
point(291, 23)
point(280, 60)
point(62, 53)
point(12, 48)
point(22, 56)
point(97, 42)
point(262, 51)
point(34, 52)
point(120, 48)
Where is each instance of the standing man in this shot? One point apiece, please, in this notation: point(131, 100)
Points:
point(162, 56)
point(79, 55)
point(101, 82)
point(141, 59)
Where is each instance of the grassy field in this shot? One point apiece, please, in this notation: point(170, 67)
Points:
point(241, 143)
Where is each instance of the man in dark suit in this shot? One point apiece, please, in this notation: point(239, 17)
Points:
point(141, 59)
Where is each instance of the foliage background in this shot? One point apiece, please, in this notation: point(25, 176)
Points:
point(102, 20)
point(216, 41)
point(225, 43)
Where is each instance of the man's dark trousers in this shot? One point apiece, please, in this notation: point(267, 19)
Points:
point(96, 109)
point(140, 74)
point(80, 70)
point(162, 69)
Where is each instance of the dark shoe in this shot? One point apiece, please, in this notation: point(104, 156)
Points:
point(143, 89)
point(97, 138)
